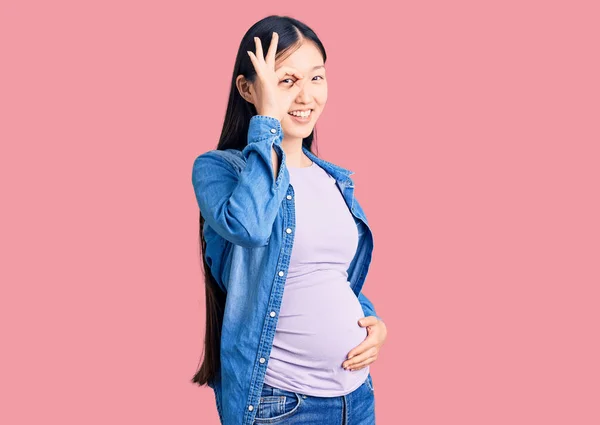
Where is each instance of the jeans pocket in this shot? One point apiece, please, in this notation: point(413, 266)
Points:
point(273, 408)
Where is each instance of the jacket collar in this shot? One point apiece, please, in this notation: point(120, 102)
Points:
point(339, 173)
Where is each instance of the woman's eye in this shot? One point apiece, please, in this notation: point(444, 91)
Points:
point(285, 80)
point(320, 76)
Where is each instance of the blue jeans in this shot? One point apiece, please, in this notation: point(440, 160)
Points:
point(284, 407)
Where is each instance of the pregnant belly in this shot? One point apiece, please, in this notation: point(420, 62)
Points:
point(318, 322)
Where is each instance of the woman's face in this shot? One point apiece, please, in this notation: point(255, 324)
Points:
point(308, 60)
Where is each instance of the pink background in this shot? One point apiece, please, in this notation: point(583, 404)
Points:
point(474, 132)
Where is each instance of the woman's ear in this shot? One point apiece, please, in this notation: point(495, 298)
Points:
point(244, 88)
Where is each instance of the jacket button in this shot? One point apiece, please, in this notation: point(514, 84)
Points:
point(288, 230)
point(262, 360)
point(289, 196)
point(280, 273)
point(250, 407)
point(272, 314)
point(273, 130)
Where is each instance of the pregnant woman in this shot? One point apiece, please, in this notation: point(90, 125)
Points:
point(286, 247)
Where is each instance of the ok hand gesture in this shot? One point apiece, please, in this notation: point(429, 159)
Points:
point(269, 98)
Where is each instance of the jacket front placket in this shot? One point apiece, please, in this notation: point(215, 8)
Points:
point(288, 230)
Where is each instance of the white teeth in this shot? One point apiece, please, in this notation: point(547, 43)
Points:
point(303, 114)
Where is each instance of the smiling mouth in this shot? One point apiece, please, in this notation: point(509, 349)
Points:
point(301, 115)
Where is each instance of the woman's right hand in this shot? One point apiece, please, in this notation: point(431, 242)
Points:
point(269, 98)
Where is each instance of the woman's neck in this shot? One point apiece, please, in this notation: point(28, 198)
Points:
point(294, 155)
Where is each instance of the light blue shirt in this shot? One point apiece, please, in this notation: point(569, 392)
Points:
point(249, 231)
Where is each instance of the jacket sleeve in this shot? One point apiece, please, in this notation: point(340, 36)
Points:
point(241, 206)
point(367, 306)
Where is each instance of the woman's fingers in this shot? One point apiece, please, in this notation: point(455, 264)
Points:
point(363, 364)
point(255, 63)
point(299, 83)
point(259, 50)
point(288, 70)
point(258, 58)
point(366, 357)
point(272, 50)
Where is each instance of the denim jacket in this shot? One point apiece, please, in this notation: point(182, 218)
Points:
point(249, 231)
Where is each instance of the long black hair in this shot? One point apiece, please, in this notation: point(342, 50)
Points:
point(234, 135)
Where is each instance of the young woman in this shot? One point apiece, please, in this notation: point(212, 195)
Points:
point(286, 248)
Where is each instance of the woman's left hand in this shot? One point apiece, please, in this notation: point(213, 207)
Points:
point(367, 351)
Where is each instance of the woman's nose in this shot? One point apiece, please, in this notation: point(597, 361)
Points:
point(303, 95)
